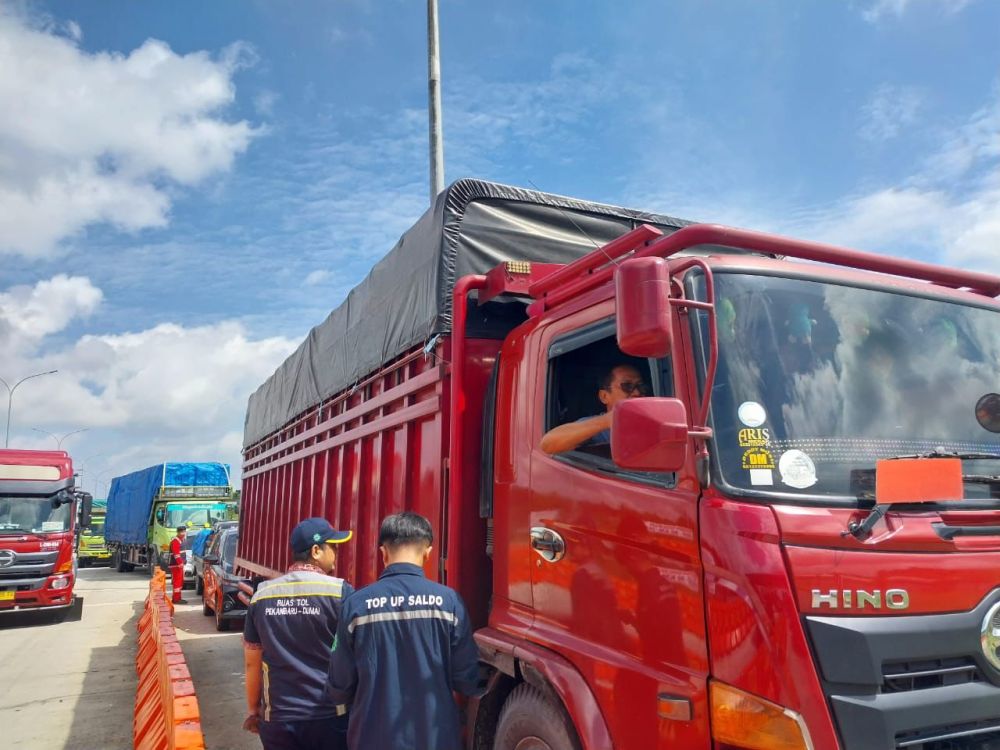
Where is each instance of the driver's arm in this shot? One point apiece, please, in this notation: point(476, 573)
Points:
point(566, 437)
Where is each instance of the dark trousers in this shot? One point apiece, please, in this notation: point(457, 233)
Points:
point(315, 734)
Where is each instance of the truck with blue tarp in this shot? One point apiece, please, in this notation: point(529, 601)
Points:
point(146, 507)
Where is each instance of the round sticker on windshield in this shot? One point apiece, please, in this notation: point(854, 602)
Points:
point(988, 412)
point(751, 414)
point(797, 469)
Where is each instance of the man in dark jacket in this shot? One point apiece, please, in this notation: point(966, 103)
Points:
point(404, 644)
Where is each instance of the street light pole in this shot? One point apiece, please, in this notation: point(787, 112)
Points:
point(434, 100)
point(59, 440)
point(10, 398)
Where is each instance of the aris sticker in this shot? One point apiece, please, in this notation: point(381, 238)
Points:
point(751, 414)
point(754, 437)
point(758, 458)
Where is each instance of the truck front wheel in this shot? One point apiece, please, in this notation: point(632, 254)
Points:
point(530, 721)
point(118, 561)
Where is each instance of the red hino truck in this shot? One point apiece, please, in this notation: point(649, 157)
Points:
point(39, 510)
point(792, 540)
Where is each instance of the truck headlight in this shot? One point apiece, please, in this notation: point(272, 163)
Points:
point(61, 583)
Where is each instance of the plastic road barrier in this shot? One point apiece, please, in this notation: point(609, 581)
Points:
point(166, 708)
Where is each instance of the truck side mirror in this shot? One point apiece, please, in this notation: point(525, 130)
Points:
point(642, 295)
point(649, 434)
point(86, 508)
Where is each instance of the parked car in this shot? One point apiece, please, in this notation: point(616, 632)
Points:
point(220, 590)
point(200, 543)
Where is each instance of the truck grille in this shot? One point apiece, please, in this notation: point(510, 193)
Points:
point(27, 570)
point(918, 682)
point(902, 677)
point(978, 736)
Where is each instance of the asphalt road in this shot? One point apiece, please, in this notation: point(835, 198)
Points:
point(216, 664)
point(71, 685)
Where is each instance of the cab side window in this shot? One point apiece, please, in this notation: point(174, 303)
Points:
point(587, 374)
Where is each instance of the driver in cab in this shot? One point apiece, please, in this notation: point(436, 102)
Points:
point(620, 383)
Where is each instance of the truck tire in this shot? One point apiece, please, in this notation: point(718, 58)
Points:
point(530, 721)
point(199, 587)
point(119, 563)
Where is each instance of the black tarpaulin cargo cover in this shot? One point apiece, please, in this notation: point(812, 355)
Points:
point(406, 299)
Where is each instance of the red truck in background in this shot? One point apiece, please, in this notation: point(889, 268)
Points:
point(39, 512)
point(790, 542)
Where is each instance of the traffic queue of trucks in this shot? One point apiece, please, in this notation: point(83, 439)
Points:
point(39, 510)
point(146, 507)
point(789, 542)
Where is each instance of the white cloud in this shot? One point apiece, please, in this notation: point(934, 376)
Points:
point(880, 9)
point(948, 208)
point(30, 313)
point(890, 109)
point(168, 392)
point(317, 277)
point(95, 137)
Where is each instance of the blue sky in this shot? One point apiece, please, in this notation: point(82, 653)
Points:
point(186, 188)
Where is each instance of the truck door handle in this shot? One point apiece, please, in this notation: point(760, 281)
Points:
point(548, 544)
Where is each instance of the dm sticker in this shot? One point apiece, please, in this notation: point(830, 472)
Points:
point(757, 458)
point(751, 414)
point(797, 469)
point(754, 437)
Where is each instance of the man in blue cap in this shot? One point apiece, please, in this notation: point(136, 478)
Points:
point(290, 627)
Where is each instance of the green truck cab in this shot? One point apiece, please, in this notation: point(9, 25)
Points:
point(91, 548)
point(199, 510)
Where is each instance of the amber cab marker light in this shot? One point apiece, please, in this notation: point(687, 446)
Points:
point(742, 720)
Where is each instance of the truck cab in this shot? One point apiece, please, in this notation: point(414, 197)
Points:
point(195, 507)
point(742, 562)
point(91, 547)
point(38, 510)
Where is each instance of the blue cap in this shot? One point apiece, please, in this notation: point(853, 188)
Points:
point(316, 531)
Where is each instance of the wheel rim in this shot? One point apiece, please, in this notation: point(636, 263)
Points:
point(532, 743)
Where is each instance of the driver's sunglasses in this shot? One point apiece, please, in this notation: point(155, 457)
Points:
point(633, 386)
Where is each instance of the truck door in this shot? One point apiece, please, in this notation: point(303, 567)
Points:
point(616, 574)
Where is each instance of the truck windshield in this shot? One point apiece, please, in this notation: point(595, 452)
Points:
point(32, 514)
point(817, 381)
point(194, 514)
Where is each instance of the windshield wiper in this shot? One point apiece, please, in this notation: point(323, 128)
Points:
point(964, 455)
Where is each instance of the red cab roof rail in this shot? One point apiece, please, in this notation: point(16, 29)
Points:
point(597, 267)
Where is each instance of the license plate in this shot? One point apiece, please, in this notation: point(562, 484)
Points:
point(6, 596)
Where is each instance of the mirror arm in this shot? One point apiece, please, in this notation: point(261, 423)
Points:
point(708, 306)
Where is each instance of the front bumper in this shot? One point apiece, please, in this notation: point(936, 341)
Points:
point(94, 554)
point(43, 597)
